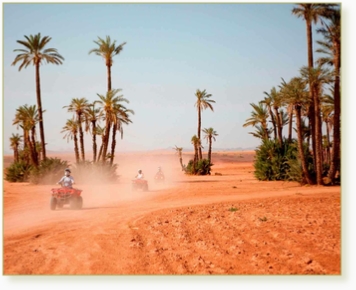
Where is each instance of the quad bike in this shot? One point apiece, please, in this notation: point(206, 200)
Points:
point(159, 177)
point(139, 184)
point(65, 195)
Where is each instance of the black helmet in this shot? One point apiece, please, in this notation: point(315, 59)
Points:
point(140, 171)
point(67, 169)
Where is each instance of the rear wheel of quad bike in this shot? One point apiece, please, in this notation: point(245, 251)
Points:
point(79, 202)
point(145, 187)
point(53, 203)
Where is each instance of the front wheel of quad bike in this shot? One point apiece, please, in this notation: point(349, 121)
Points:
point(53, 203)
point(60, 204)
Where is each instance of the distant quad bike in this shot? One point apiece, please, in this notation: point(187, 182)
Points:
point(65, 195)
point(159, 177)
point(139, 184)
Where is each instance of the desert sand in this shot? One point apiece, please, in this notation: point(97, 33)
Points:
point(228, 224)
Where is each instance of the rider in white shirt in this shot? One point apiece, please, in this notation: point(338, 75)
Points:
point(139, 175)
point(67, 180)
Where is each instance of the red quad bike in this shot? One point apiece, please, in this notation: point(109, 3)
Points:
point(65, 195)
point(159, 177)
point(139, 184)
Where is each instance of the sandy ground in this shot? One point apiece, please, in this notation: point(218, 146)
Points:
point(218, 224)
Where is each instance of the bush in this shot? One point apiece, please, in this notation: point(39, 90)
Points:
point(50, 171)
point(203, 167)
point(18, 172)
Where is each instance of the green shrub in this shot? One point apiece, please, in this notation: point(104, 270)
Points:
point(203, 167)
point(49, 171)
point(18, 172)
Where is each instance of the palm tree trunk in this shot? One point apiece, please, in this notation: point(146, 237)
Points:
point(328, 142)
point(16, 154)
point(279, 125)
point(300, 145)
point(199, 129)
point(209, 152)
point(290, 124)
point(32, 157)
point(39, 105)
point(33, 141)
point(318, 139)
point(106, 141)
point(109, 77)
point(94, 141)
point(113, 144)
point(100, 150)
point(81, 137)
point(76, 149)
point(273, 122)
point(335, 160)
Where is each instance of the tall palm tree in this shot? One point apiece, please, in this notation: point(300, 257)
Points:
point(92, 116)
point(35, 53)
point(109, 102)
point(316, 78)
point(107, 50)
point(203, 102)
point(210, 135)
point(71, 133)
point(15, 141)
point(332, 43)
point(27, 117)
point(259, 116)
point(311, 13)
point(79, 106)
point(122, 116)
point(179, 152)
point(295, 92)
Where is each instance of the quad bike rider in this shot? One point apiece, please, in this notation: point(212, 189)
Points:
point(159, 177)
point(139, 182)
point(66, 194)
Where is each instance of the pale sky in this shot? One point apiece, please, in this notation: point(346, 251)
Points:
point(234, 51)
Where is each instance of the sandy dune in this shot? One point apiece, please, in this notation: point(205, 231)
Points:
point(218, 224)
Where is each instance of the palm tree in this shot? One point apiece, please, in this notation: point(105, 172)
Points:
point(35, 53)
point(259, 116)
point(316, 78)
point(196, 144)
point(332, 35)
point(109, 103)
point(27, 118)
point(15, 141)
point(203, 102)
point(100, 131)
point(327, 109)
point(71, 133)
point(210, 135)
point(295, 92)
point(275, 98)
point(311, 13)
point(79, 108)
point(179, 152)
point(121, 117)
point(268, 101)
point(260, 132)
point(92, 115)
point(107, 50)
